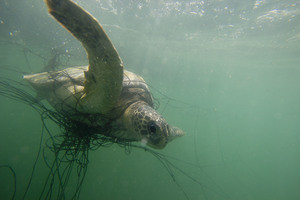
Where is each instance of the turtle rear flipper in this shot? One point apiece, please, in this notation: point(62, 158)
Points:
point(105, 74)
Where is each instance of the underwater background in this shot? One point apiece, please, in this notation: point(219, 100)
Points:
point(227, 72)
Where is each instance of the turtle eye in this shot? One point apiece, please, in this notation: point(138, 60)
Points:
point(152, 127)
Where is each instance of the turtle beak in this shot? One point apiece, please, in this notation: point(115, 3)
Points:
point(161, 141)
point(174, 132)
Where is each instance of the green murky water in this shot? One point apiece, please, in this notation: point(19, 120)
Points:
point(232, 71)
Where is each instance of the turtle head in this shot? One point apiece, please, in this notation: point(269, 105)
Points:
point(148, 126)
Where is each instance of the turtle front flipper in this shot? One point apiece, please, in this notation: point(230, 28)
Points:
point(105, 74)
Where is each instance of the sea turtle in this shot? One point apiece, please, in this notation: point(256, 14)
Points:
point(103, 92)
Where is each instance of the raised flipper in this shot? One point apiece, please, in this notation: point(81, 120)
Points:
point(105, 74)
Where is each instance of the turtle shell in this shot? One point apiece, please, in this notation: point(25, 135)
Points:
point(64, 90)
